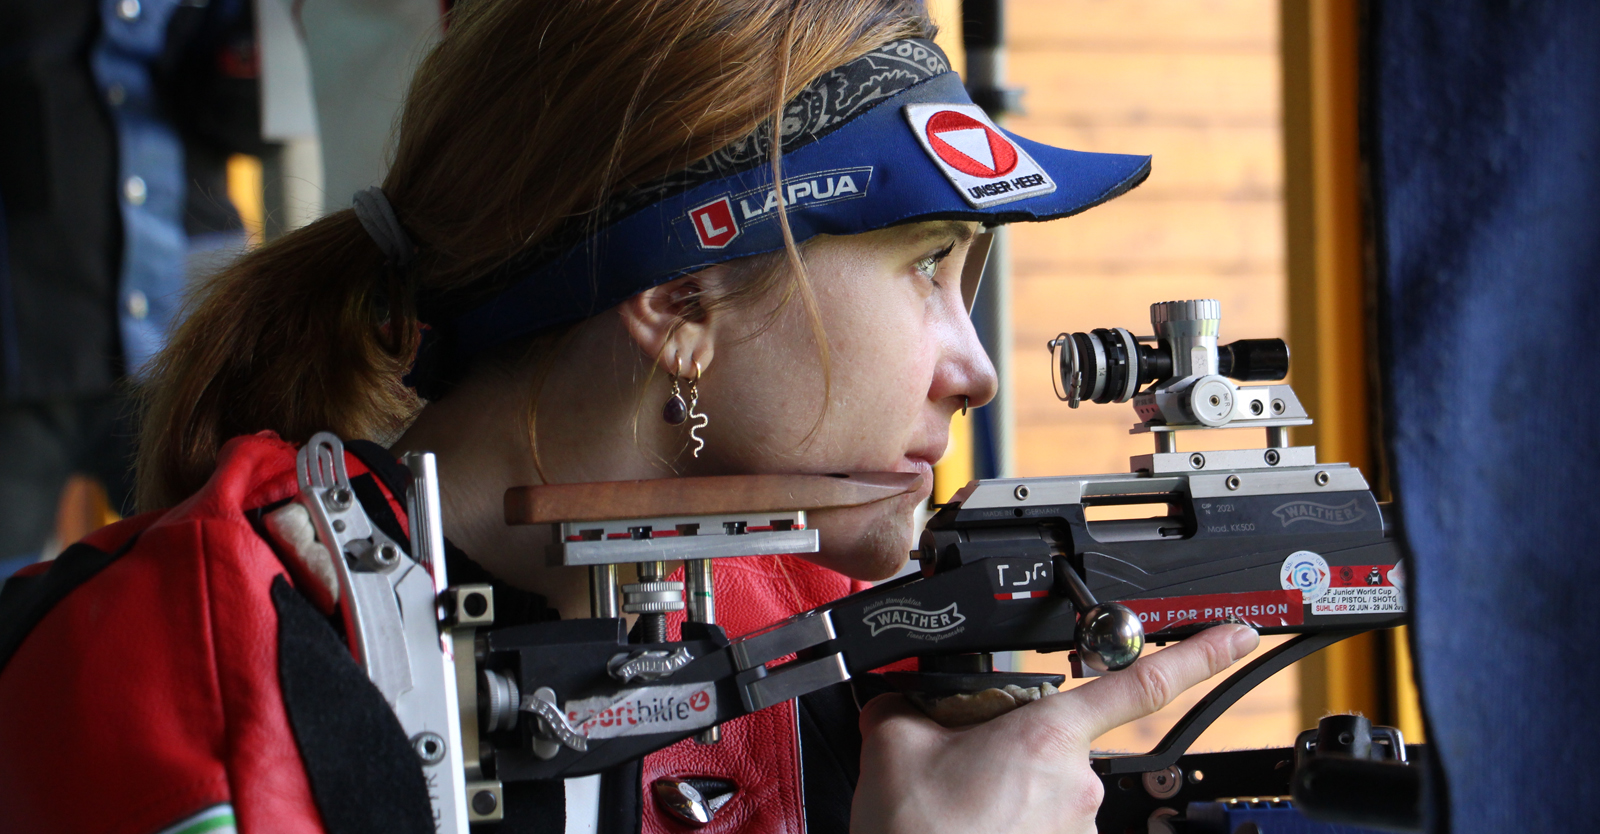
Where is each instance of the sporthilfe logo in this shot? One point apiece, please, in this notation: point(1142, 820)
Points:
point(651, 709)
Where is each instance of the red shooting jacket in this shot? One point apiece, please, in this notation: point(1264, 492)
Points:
point(158, 669)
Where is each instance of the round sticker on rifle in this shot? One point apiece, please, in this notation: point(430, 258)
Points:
point(1307, 572)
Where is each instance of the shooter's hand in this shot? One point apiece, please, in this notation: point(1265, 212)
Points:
point(1028, 770)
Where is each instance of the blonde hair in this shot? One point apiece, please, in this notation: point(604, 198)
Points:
point(502, 144)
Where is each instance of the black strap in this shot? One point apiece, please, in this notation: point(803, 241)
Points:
point(531, 808)
point(376, 503)
point(395, 476)
point(363, 772)
point(25, 600)
point(621, 795)
point(830, 757)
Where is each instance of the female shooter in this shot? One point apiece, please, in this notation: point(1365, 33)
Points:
point(580, 224)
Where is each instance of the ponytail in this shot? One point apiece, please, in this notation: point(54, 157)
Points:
point(292, 338)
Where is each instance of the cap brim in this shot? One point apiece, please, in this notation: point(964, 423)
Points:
point(885, 167)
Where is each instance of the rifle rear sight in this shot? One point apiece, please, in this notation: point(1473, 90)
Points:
point(1180, 378)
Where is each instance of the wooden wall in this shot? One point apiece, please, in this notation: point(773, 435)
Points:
point(1195, 83)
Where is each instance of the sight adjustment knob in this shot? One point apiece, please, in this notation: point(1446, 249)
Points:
point(1210, 401)
point(1195, 310)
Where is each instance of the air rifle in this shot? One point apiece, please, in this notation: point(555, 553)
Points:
point(1268, 536)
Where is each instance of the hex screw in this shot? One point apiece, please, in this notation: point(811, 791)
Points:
point(1197, 461)
point(1164, 784)
point(1278, 406)
point(1322, 479)
point(1021, 492)
point(430, 747)
point(1272, 457)
point(1232, 482)
point(337, 498)
point(1255, 407)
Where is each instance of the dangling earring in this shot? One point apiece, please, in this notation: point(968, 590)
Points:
point(676, 411)
point(694, 403)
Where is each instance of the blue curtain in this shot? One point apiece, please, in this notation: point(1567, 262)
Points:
point(1482, 133)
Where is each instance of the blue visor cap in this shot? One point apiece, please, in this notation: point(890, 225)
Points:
point(924, 153)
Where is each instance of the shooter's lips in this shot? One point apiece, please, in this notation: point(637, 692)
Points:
point(923, 467)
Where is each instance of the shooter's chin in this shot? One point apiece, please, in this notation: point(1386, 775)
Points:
point(868, 543)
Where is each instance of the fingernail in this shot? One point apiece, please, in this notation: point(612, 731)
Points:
point(1244, 641)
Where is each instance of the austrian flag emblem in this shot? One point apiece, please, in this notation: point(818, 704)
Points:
point(714, 224)
point(969, 146)
point(984, 164)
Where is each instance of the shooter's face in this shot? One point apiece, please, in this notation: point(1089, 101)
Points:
point(903, 357)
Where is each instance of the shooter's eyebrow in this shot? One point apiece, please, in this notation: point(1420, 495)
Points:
point(962, 230)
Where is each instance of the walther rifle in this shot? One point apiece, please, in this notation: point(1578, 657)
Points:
point(1269, 537)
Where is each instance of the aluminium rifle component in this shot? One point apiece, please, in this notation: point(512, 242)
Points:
point(389, 601)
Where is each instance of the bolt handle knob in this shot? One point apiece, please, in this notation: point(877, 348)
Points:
point(1110, 637)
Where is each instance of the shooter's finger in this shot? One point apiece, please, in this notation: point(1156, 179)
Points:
point(1153, 681)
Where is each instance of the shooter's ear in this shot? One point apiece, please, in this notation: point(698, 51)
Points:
point(671, 323)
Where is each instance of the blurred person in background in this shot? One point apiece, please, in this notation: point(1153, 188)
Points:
point(118, 118)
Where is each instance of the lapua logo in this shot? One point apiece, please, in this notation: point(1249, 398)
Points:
point(803, 191)
point(714, 224)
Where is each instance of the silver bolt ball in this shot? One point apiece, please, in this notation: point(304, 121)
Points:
point(1110, 637)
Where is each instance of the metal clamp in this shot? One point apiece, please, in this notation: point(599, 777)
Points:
point(793, 680)
point(366, 581)
point(389, 600)
point(786, 638)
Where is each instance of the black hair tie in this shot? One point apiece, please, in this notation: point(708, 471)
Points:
point(377, 216)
